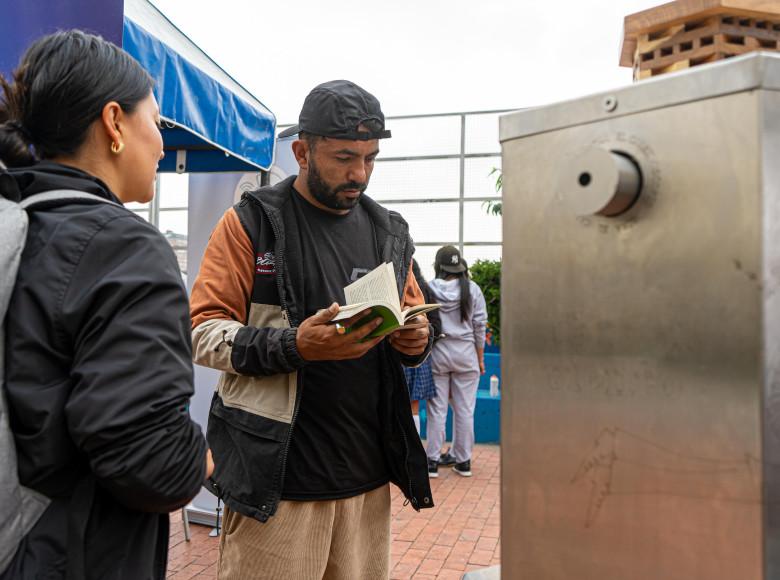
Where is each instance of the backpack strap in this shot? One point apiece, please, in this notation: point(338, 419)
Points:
point(61, 197)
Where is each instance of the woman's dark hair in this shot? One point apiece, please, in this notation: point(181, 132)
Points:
point(421, 281)
point(463, 278)
point(433, 316)
point(418, 273)
point(59, 89)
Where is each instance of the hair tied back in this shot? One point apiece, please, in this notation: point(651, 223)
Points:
point(18, 128)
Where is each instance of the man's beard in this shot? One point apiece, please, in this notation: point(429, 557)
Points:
point(327, 195)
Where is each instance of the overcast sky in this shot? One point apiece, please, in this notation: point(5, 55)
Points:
point(416, 56)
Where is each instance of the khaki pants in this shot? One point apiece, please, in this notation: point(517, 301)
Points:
point(345, 539)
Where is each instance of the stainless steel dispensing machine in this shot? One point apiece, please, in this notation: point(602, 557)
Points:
point(641, 331)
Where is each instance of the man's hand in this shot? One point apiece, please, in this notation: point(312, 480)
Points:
point(412, 338)
point(318, 340)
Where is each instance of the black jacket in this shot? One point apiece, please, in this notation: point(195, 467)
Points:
point(98, 380)
point(253, 413)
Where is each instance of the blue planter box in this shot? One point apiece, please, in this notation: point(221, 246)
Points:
point(492, 367)
point(487, 415)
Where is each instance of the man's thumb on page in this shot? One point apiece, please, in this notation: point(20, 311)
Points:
point(327, 314)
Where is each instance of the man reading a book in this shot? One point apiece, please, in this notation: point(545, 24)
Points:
point(311, 420)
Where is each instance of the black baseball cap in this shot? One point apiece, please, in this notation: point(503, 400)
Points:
point(336, 109)
point(448, 260)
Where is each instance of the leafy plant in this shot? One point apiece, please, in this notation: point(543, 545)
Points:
point(499, 178)
point(494, 207)
point(487, 275)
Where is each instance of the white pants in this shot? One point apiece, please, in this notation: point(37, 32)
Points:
point(463, 389)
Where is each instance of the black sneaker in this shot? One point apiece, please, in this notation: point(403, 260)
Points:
point(433, 468)
point(463, 469)
point(447, 459)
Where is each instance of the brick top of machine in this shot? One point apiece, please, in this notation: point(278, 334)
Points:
point(687, 33)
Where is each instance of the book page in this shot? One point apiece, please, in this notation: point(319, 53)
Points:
point(419, 309)
point(376, 286)
point(352, 309)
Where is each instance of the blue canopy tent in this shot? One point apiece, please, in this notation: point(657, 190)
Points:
point(211, 123)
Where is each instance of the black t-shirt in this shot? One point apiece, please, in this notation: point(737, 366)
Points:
point(335, 451)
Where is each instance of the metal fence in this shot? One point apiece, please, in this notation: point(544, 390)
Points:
point(438, 172)
point(168, 212)
point(435, 171)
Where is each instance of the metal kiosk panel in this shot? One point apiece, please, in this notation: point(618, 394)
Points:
point(640, 433)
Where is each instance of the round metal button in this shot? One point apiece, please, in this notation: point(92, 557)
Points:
point(600, 182)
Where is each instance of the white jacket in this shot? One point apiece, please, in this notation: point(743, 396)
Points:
point(457, 352)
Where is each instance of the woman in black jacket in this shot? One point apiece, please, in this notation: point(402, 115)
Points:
point(98, 364)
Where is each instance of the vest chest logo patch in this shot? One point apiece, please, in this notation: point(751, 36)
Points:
point(265, 264)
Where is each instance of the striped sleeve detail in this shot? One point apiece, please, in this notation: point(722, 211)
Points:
point(224, 283)
point(212, 343)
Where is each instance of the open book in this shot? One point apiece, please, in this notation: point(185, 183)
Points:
point(377, 290)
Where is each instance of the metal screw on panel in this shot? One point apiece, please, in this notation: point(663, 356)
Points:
point(610, 104)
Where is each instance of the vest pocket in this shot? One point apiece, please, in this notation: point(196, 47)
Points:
point(247, 451)
point(272, 397)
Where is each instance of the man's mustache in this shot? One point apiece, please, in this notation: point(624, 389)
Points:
point(352, 185)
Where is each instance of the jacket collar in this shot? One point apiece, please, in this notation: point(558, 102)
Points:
point(19, 183)
point(275, 197)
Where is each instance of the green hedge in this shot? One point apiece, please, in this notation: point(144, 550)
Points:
point(487, 275)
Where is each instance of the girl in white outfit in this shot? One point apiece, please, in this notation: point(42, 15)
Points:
point(457, 359)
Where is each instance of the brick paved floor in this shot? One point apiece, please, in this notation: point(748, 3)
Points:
point(459, 534)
